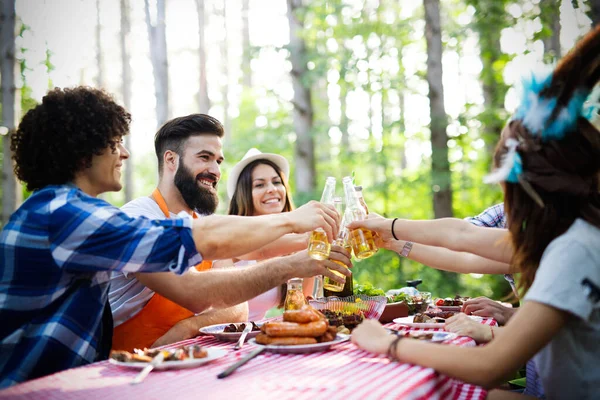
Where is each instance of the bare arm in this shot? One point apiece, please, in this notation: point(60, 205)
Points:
point(526, 333)
point(449, 260)
point(287, 244)
point(189, 327)
point(451, 233)
point(225, 287)
point(220, 237)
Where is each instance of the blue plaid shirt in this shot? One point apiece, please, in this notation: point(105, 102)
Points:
point(58, 251)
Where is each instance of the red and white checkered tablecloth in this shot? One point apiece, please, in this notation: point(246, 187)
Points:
point(344, 372)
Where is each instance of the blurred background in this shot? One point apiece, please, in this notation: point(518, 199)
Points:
point(408, 95)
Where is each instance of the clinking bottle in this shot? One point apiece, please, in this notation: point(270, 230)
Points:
point(361, 240)
point(332, 288)
point(318, 245)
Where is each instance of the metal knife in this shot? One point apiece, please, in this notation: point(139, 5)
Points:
point(157, 360)
point(231, 369)
point(245, 332)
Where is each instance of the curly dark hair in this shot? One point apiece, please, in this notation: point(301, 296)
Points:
point(59, 137)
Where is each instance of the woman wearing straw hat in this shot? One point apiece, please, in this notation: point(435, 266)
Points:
point(258, 185)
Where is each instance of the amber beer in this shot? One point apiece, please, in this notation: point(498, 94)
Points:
point(318, 245)
point(331, 285)
point(361, 240)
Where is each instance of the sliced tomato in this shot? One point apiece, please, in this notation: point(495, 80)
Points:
point(439, 302)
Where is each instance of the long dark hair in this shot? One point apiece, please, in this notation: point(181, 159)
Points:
point(565, 174)
point(242, 204)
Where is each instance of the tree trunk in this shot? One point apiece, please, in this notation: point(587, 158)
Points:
point(126, 89)
point(11, 194)
point(158, 55)
point(303, 110)
point(99, 56)
point(594, 11)
point(247, 56)
point(550, 17)
point(203, 100)
point(489, 20)
point(225, 73)
point(440, 167)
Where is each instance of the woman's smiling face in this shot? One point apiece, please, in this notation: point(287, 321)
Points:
point(268, 190)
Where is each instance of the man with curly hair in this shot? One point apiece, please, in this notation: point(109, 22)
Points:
point(59, 247)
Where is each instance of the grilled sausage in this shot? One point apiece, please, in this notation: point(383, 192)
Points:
point(284, 329)
point(261, 338)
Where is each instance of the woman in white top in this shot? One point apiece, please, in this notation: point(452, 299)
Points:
point(258, 185)
point(550, 167)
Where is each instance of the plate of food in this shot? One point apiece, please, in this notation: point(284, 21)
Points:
point(451, 304)
point(178, 358)
point(230, 332)
point(439, 336)
point(297, 345)
point(430, 319)
point(301, 331)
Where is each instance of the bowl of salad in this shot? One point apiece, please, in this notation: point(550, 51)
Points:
point(399, 304)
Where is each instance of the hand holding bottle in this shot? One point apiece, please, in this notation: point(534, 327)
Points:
point(314, 215)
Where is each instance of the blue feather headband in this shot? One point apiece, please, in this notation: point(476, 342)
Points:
point(535, 111)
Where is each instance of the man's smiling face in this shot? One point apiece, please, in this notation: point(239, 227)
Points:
point(199, 172)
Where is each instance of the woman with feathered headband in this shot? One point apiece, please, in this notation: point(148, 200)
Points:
point(550, 167)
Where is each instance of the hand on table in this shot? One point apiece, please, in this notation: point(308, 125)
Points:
point(462, 325)
point(371, 336)
point(484, 307)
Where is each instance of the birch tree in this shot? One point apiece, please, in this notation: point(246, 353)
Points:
point(225, 72)
point(303, 114)
point(10, 189)
point(440, 166)
point(99, 56)
point(203, 99)
point(158, 55)
point(126, 90)
point(247, 55)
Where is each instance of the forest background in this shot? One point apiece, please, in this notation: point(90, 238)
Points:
point(408, 95)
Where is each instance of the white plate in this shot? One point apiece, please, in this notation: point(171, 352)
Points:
point(449, 308)
point(217, 331)
point(302, 348)
point(213, 354)
point(438, 336)
point(408, 321)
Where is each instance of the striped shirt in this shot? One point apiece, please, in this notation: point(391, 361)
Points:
point(58, 250)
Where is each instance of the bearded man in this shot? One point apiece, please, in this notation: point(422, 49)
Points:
point(145, 308)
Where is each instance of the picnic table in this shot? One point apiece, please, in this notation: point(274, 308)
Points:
point(343, 372)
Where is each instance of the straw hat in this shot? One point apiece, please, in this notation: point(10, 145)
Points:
point(252, 155)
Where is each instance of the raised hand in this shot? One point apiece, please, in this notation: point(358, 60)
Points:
point(315, 215)
point(462, 325)
point(379, 225)
point(484, 307)
point(305, 266)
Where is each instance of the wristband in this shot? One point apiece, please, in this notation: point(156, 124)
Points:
point(406, 249)
point(392, 349)
point(393, 222)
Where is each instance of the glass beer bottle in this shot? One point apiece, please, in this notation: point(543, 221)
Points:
point(330, 285)
point(294, 298)
point(361, 240)
point(318, 245)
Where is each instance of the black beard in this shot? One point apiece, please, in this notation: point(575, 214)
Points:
point(195, 195)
